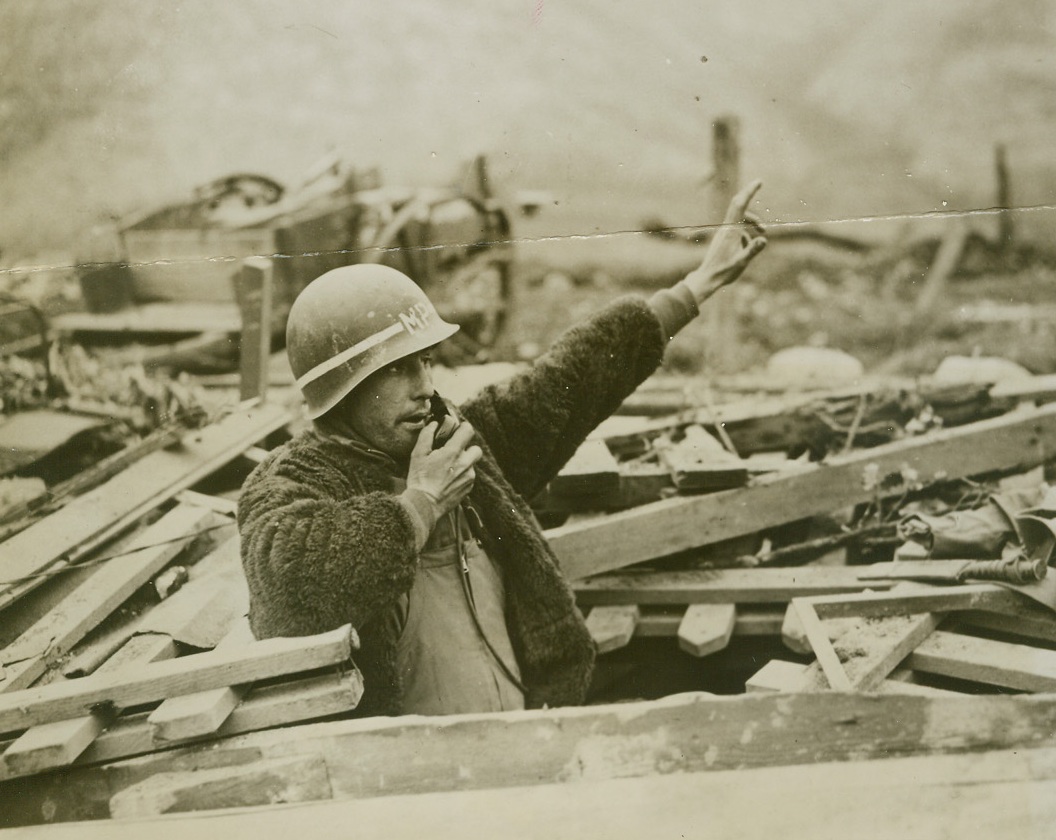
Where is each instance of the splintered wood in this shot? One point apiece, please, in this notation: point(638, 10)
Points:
point(184, 670)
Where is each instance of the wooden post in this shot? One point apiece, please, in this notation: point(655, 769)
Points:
point(1005, 224)
point(726, 165)
point(255, 282)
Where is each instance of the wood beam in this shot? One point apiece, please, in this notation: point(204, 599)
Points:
point(216, 669)
point(91, 519)
point(1010, 443)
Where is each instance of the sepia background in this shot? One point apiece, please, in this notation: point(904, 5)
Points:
point(876, 122)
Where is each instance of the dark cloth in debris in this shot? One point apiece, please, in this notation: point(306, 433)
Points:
point(326, 542)
point(1023, 518)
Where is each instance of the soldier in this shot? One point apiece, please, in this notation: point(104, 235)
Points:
point(409, 518)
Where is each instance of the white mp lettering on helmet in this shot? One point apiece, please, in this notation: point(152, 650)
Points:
point(353, 321)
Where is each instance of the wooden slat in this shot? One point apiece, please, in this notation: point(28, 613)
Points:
point(59, 743)
point(871, 649)
point(592, 470)
point(1012, 443)
point(706, 628)
point(686, 734)
point(96, 516)
point(611, 628)
point(65, 625)
point(261, 660)
point(203, 712)
point(975, 596)
point(822, 646)
point(810, 611)
point(53, 744)
point(719, 586)
point(986, 661)
point(1027, 620)
point(700, 463)
point(265, 707)
point(749, 621)
point(779, 675)
point(1007, 795)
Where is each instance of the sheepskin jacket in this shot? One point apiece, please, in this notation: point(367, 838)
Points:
point(325, 541)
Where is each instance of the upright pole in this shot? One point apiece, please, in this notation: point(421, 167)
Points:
point(1005, 224)
point(726, 169)
point(255, 282)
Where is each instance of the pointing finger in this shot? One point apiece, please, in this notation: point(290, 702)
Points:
point(740, 202)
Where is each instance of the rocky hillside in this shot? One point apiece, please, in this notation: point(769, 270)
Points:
point(853, 109)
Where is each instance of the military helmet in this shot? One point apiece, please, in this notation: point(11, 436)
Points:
point(353, 321)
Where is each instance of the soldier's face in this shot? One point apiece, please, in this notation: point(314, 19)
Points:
point(391, 406)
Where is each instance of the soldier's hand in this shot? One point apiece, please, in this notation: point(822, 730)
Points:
point(446, 474)
point(735, 244)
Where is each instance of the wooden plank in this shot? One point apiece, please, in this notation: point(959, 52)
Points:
point(303, 699)
point(871, 649)
point(59, 743)
point(776, 675)
point(679, 735)
point(1026, 619)
point(253, 287)
point(58, 631)
point(54, 744)
point(750, 621)
point(96, 516)
point(592, 470)
point(611, 628)
point(1000, 795)
point(261, 660)
point(821, 645)
point(1007, 795)
point(700, 463)
point(719, 586)
point(781, 676)
point(986, 661)
point(810, 611)
point(706, 628)
point(162, 317)
point(296, 779)
point(975, 596)
point(1010, 443)
point(143, 647)
point(201, 713)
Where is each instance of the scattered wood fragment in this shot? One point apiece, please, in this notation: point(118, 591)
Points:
point(386, 757)
point(203, 712)
point(699, 463)
point(612, 627)
point(157, 681)
point(1011, 444)
point(719, 586)
point(781, 676)
point(57, 744)
point(871, 649)
point(706, 628)
point(591, 471)
point(91, 519)
point(986, 661)
point(56, 633)
point(266, 706)
point(811, 611)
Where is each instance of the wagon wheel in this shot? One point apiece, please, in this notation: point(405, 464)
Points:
point(477, 295)
point(470, 286)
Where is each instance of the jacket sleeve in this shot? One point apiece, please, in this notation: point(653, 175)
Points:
point(318, 555)
point(534, 422)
